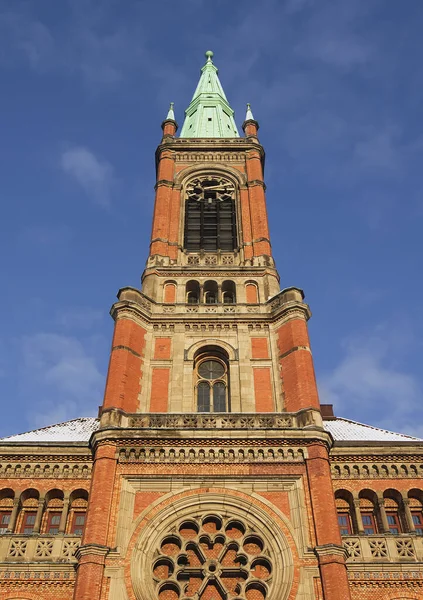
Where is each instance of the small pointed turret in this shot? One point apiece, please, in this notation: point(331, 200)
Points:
point(170, 125)
point(209, 114)
point(250, 125)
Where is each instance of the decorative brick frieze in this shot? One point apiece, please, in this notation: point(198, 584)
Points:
point(211, 454)
point(385, 470)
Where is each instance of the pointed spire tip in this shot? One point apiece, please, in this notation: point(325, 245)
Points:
point(170, 114)
point(249, 115)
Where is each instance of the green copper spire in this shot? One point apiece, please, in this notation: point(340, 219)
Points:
point(209, 114)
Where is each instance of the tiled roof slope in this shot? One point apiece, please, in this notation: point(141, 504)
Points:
point(80, 430)
point(77, 430)
point(344, 430)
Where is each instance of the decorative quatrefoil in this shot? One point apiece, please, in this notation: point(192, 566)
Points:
point(212, 558)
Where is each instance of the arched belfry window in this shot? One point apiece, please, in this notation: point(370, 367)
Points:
point(210, 219)
point(212, 380)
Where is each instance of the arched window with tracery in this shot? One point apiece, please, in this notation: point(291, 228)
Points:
point(212, 380)
point(210, 219)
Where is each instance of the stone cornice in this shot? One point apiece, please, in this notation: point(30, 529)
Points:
point(96, 550)
point(331, 553)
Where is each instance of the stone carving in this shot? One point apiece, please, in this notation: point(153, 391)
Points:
point(405, 548)
point(44, 549)
point(17, 548)
point(210, 260)
point(70, 548)
point(209, 157)
point(353, 547)
point(193, 260)
point(378, 548)
point(212, 556)
point(227, 260)
point(218, 421)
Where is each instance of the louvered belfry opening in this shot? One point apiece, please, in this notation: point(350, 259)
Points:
point(210, 219)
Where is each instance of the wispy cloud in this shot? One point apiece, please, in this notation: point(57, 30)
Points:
point(94, 175)
point(370, 380)
point(59, 369)
point(81, 318)
point(45, 236)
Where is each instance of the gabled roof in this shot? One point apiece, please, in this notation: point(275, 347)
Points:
point(80, 430)
point(209, 114)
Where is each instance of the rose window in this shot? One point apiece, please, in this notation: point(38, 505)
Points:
point(212, 558)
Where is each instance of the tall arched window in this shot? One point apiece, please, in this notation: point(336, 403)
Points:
point(192, 292)
point(6, 506)
point(210, 220)
point(228, 292)
point(394, 511)
point(369, 516)
point(210, 292)
point(212, 380)
point(344, 509)
point(416, 507)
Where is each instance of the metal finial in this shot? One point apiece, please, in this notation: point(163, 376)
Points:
point(209, 55)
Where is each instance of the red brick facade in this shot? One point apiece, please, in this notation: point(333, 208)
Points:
point(211, 474)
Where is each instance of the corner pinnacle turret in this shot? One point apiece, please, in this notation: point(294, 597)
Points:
point(209, 114)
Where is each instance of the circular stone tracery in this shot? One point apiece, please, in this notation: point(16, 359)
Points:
point(212, 557)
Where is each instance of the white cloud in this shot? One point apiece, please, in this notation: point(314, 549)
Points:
point(95, 176)
point(370, 384)
point(59, 370)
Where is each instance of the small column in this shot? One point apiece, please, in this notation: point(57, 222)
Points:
point(169, 125)
point(382, 513)
point(358, 517)
point(408, 516)
point(14, 515)
point(64, 515)
point(219, 294)
point(250, 125)
point(40, 510)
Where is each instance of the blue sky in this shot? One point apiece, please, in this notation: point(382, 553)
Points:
point(337, 88)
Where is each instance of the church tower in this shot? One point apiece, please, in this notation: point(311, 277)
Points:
point(211, 476)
